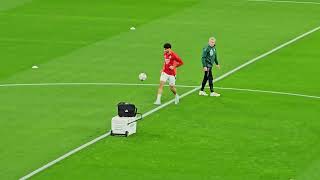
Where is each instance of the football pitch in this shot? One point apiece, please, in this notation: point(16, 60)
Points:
point(265, 125)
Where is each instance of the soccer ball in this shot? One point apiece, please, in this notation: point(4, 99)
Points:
point(142, 76)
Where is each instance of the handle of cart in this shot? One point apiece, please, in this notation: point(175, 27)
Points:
point(138, 118)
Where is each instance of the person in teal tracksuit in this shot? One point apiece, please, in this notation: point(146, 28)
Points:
point(209, 58)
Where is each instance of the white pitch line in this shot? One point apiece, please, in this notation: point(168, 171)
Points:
point(77, 84)
point(65, 156)
point(74, 84)
point(270, 92)
point(183, 95)
point(293, 2)
point(136, 84)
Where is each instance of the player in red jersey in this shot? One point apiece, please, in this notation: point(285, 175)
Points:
point(168, 73)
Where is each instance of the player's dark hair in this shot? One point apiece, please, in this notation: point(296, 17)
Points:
point(167, 46)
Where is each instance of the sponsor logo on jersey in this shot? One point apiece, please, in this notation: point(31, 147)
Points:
point(211, 52)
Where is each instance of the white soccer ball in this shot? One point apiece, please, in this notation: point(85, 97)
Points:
point(142, 76)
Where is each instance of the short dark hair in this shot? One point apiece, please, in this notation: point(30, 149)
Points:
point(167, 46)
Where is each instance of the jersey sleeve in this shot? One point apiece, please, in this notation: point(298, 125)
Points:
point(204, 56)
point(163, 67)
point(178, 61)
point(216, 59)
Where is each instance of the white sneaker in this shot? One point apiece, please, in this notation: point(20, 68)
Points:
point(214, 94)
point(177, 99)
point(157, 103)
point(202, 93)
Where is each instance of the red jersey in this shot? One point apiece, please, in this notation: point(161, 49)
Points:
point(171, 59)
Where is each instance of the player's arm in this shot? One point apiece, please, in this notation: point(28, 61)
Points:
point(163, 67)
point(179, 61)
point(216, 61)
point(203, 58)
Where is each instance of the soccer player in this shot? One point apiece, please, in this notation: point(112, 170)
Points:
point(209, 57)
point(168, 72)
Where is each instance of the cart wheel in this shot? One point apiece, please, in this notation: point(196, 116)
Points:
point(127, 133)
point(111, 133)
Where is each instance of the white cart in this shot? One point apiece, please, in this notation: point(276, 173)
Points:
point(123, 125)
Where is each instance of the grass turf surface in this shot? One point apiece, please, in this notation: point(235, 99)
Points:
point(243, 135)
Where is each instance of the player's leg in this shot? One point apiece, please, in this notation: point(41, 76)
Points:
point(204, 82)
point(210, 78)
point(163, 78)
point(172, 84)
point(160, 89)
point(173, 89)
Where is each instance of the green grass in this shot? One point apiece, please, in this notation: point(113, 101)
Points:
point(52, 28)
point(237, 139)
point(296, 70)
point(241, 135)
